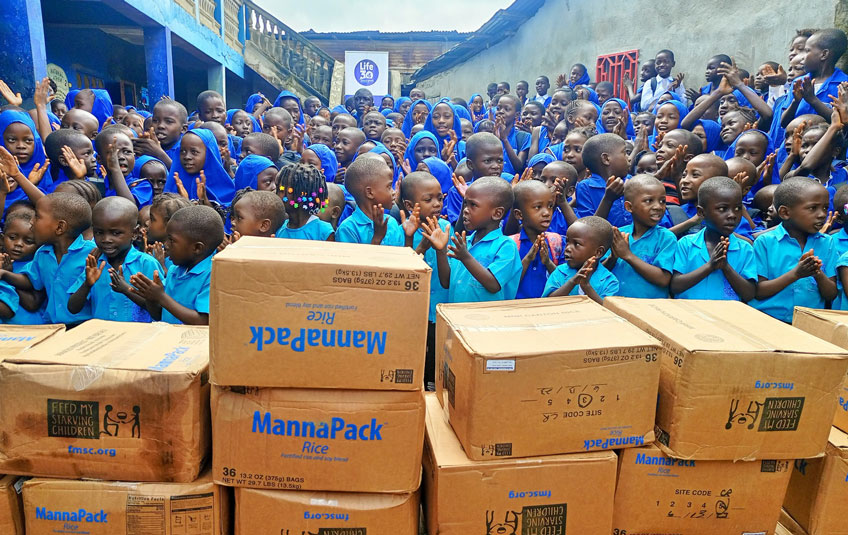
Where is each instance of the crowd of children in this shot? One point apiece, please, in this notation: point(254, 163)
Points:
point(734, 191)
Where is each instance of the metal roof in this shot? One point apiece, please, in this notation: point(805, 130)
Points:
point(373, 35)
point(503, 24)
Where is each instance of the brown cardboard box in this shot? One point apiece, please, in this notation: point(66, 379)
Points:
point(285, 512)
point(17, 338)
point(11, 506)
point(658, 495)
point(737, 384)
point(306, 314)
point(329, 440)
point(119, 508)
point(788, 526)
point(551, 495)
point(108, 400)
point(830, 325)
point(544, 376)
point(818, 491)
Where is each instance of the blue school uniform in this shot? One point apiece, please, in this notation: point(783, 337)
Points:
point(23, 316)
point(219, 185)
point(533, 282)
point(46, 273)
point(438, 294)
point(499, 255)
point(520, 142)
point(841, 302)
point(249, 169)
point(589, 193)
point(840, 242)
point(602, 281)
point(358, 228)
point(314, 229)
point(442, 172)
point(692, 253)
point(107, 304)
point(329, 162)
point(190, 288)
point(829, 87)
point(140, 188)
point(777, 252)
point(657, 247)
point(38, 155)
point(9, 297)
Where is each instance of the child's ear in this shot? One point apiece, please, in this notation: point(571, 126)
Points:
point(605, 159)
point(628, 206)
point(198, 248)
point(408, 206)
point(499, 213)
point(783, 212)
point(184, 128)
point(62, 227)
point(600, 251)
point(265, 226)
point(700, 212)
point(516, 213)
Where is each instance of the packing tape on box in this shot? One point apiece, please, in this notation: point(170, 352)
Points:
point(536, 326)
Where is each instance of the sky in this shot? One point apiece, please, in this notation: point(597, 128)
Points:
point(383, 15)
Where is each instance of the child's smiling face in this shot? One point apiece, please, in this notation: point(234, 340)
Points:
point(192, 154)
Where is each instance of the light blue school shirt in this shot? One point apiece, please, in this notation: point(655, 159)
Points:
point(841, 302)
point(314, 229)
point(9, 296)
point(437, 293)
point(589, 194)
point(56, 278)
point(692, 253)
point(190, 288)
point(358, 228)
point(657, 247)
point(107, 304)
point(602, 281)
point(777, 252)
point(840, 242)
point(23, 316)
point(533, 282)
point(498, 254)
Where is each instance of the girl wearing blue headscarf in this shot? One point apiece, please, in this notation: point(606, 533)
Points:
point(329, 162)
point(399, 103)
point(587, 93)
point(440, 122)
point(252, 101)
point(102, 107)
point(416, 114)
point(612, 113)
point(242, 122)
point(579, 76)
point(251, 173)
point(710, 133)
point(423, 145)
point(21, 139)
point(70, 98)
point(156, 174)
point(199, 152)
point(289, 97)
point(382, 149)
point(477, 107)
point(670, 116)
point(442, 172)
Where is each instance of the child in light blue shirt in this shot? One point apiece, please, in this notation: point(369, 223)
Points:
point(369, 180)
point(256, 213)
point(303, 190)
point(587, 240)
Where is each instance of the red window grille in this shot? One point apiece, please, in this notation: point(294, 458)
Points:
point(613, 67)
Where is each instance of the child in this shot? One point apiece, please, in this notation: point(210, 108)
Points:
point(164, 206)
point(242, 123)
point(645, 250)
point(20, 138)
point(662, 83)
point(19, 245)
point(422, 190)
point(211, 107)
point(277, 122)
point(541, 251)
point(423, 145)
point(394, 139)
point(489, 268)
point(605, 157)
point(796, 263)
point(698, 169)
point(153, 171)
point(811, 94)
point(714, 263)
point(349, 141)
point(340, 122)
point(199, 153)
point(570, 150)
point(369, 180)
point(115, 154)
point(587, 240)
point(256, 172)
point(73, 155)
point(373, 125)
point(107, 291)
point(335, 205)
point(543, 84)
point(194, 234)
point(81, 121)
point(484, 157)
point(840, 237)
point(516, 144)
point(322, 135)
point(169, 122)
point(260, 144)
point(60, 219)
point(257, 213)
point(303, 191)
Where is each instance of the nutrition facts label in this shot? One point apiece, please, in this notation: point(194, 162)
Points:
point(145, 515)
point(189, 515)
point(192, 515)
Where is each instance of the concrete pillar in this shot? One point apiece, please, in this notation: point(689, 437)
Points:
point(217, 78)
point(24, 56)
point(160, 63)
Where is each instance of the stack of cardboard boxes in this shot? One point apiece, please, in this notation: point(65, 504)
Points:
point(126, 408)
point(317, 359)
point(531, 397)
point(742, 396)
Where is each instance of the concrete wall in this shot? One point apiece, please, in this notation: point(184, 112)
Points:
point(564, 32)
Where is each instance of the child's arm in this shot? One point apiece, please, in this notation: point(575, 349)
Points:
point(808, 265)
point(680, 282)
point(614, 190)
point(534, 141)
point(808, 93)
point(699, 110)
point(516, 159)
point(153, 291)
point(121, 286)
point(10, 167)
point(842, 272)
point(410, 224)
point(19, 280)
point(381, 224)
point(40, 99)
point(459, 250)
point(92, 275)
point(148, 145)
point(822, 152)
point(562, 201)
point(731, 72)
point(116, 177)
point(581, 278)
point(438, 240)
point(653, 274)
point(792, 109)
point(744, 288)
point(31, 301)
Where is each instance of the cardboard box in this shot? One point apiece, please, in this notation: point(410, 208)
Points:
point(276, 512)
point(11, 506)
point(818, 491)
point(17, 338)
point(788, 526)
point(544, 376)
point(737, 384)
point(329, 440)
point(551, 495)
point(120, 508)
point(108, 400)
point(307, 314)
point(830, 325)
point(659, 495)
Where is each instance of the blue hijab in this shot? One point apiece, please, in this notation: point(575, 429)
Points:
point(461, 111)
point(441, 171)
point(410, 149)
point(407, 121)
point(141, 189)
point(230, 113)
point(249, 169)
point(540, 158)
point(713, 131)
point(457, 126)
point(69, 98)
point(624, 108)
point(288, 94)
point(593, 95)
point(382, 149)
point(339, 109)
point(144, 113)
point(682, 110)
point(731, 150)
point(386, 112)
point(583, 80)
point(102, 107)
point(742, 99)
point(329, 162)
point(38, 156)
point(252, 101)
point(53, 120)
point(398, 103)
point(219, 185)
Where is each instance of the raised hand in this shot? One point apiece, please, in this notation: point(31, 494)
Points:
point(731, 72)
point(615, 187)
point(406, 166)
point(658, 139)
point(410, 224)
point(460, 184)
point(766, 168)
point(37, 172)
point(677, 81)
point(620, 244)
point(76, 165)
point(673, 166)
point(147, 289)
point(381, 224)
point(447, 150)
point(200, 185)
point(831, 219)
point(92, 270)
point(544, 256)
point(692, 94)
point(774, 78)
point(562, 80)
point(297, 139)
point(808, 265)
point(584, 274)
point(459, 247)
point(42, 93)
point(11, 97)
point(6, 262)
point(8, 162)
point(718, 258)
point(531, 254)
point(157, 250)
point(180, 187)
point(433, 233)
point(797, 135)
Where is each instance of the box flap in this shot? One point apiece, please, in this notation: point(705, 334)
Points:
point(726, 326)
point(839, 440)
point(17, 338)
point(339, 254)
point(122, 345)
point(530, 327)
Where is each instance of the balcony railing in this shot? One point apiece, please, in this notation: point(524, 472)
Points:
point(289, 51)
point(206, 10)
point(232, 23)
